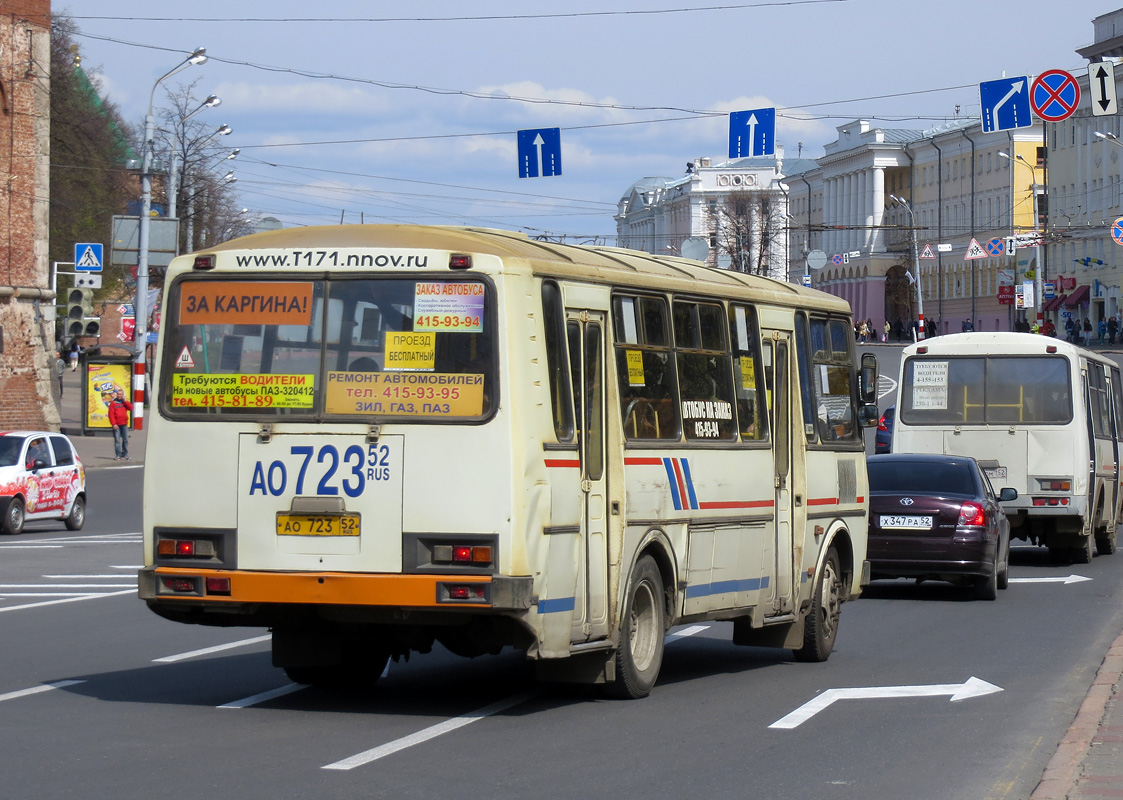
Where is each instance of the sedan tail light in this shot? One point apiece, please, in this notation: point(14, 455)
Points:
point(972, 514)
point(881, 426)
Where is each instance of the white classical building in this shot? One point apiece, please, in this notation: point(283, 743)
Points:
point(739, 208)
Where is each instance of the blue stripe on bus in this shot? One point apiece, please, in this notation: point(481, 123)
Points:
point(675, 496)
point(689, 483)
point(556, 605)
point(721, 587)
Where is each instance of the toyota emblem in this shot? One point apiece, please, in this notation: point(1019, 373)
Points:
point(907, 501)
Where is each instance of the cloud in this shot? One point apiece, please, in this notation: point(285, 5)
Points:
point(301, 99)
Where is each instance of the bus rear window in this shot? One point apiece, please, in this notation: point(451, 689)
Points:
point(986, 390)
point(387, 348)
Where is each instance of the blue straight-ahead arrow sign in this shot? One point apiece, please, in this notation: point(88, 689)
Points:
point(539, 153)
point(1005, 104)
point(752, 133)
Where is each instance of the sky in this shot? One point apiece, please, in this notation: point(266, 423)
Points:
point(349, 111)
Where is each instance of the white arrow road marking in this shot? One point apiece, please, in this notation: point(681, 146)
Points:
point(972, 687)
point(1061, 579)
point(431, 732)
point(37, 689)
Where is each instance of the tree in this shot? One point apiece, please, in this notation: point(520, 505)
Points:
point(89, 154)
point(749, 228)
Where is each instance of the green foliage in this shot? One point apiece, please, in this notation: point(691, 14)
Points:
point(89, 150)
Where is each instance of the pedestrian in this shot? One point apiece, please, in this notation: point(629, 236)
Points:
point(72, 355)
point(1112, 328)
point(888, 328)
point(1070, 328)
point(1087, 332)
point(119, 410)
point(1103, 331)
point(1049, 329)
point(60, 370)
point(863, 332)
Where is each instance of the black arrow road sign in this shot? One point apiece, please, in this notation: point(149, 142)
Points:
point(1101, 83)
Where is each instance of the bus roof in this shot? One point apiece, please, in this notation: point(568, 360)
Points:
point(609, 264)
point(1006, 343)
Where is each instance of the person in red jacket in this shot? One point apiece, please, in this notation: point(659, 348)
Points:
point(119, 410)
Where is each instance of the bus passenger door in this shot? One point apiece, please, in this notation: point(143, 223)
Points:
point(585, 332)
point(777, 350)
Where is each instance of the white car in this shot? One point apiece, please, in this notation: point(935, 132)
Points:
point(41, 477)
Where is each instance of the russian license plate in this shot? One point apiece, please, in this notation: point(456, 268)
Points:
point(996, 474)
point(317, 524)
point(905, 521)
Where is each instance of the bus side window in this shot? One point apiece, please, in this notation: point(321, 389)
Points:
point(748, 373)
point(806, 389)
point(705, 371)
point(553, 317)
point(645, 368)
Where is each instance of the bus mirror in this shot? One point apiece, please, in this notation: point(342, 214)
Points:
point(868, 415)
point(868, 381)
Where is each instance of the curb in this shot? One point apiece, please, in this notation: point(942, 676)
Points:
point(1063, 775)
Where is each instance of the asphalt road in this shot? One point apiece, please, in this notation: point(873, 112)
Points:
point(147, 714)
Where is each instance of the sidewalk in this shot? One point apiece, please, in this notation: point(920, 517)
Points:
point(96, 451)
point(1089, 760)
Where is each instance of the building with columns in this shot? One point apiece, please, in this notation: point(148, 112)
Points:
point(739, 208)
point(879, 199)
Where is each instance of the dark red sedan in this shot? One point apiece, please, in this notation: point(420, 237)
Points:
point(937, 517)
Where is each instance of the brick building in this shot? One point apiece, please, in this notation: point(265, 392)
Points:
point(26, 299)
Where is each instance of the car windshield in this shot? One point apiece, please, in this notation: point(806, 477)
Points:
point(921, 477)
point(10, 447)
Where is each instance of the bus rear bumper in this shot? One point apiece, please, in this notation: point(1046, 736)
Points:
point(170, 586)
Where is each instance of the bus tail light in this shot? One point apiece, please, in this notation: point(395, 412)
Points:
point(218, 586)
point(180, 585)
point(1050, 501)
point(459, 261)
point(185, 548)
point(463, 593)
point(478, 555)
point(972, 514)
point(204, 262)
point(1055, 486)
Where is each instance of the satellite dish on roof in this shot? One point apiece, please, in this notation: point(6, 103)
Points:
point(696, 248)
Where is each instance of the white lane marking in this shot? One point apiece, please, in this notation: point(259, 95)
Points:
point(87, 537)
point(431, 732)
point(218, 648)
point(689, 631)
point(972, 687)
point(49, 594)
point(80, 577)
point(67, 600)
point(66, 585)
point(264, 696)
point(126, 566)
point(37, 689)
point(1066, 579)
point(30, 546)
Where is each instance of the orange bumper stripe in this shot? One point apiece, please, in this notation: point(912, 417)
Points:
point(326, 588)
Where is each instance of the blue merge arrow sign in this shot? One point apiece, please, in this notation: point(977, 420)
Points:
point(752, 133)
point(1005, 104)
point(539, 153)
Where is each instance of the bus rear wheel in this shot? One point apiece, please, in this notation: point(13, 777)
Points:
point(640, 652)
point(820, 627)
point(349, 675)
point(1106, 542)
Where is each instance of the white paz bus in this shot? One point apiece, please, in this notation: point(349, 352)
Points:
point(1041, 416)
point(371, 439)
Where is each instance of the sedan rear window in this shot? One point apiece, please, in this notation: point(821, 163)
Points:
point(922, 477)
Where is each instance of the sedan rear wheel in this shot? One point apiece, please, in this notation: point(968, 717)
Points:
point(77, 517)
point(986, 587)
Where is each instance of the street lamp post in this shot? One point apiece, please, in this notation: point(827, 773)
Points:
point(140, 310)
point(916, 265)
point(1038, 285)
point(177, 145)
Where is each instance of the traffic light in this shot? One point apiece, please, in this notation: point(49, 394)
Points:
point(79, 308)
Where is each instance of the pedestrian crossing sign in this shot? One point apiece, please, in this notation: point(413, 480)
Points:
point(88, 256)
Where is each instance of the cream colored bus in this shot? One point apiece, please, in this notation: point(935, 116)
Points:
point(371, 439)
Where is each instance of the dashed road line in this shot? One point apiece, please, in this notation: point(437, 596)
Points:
point(264, 696)
point(216, 649)
point(46, 687)
point(432, 732)
point(66, 600)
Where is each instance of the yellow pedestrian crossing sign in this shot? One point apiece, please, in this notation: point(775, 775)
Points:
point(975, 250)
